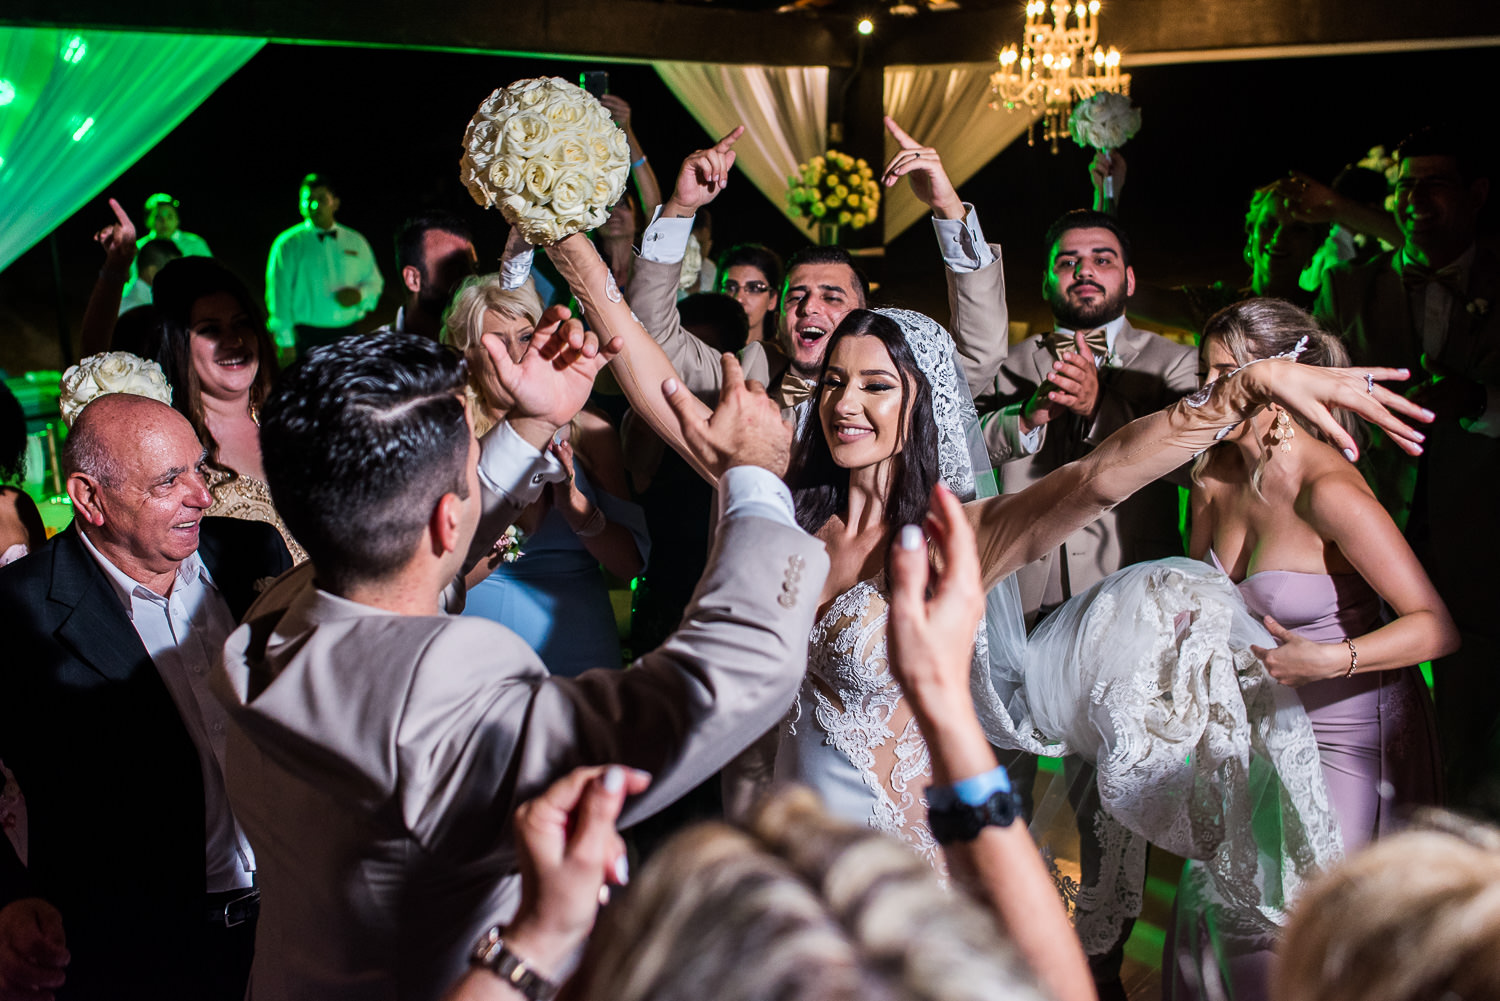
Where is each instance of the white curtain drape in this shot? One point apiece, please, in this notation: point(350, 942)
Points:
point(946, 107)
point(784, 110)
point(79, 107)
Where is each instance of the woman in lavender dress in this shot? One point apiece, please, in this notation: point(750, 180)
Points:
point(1313, 554)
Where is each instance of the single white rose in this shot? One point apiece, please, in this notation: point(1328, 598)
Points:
point(530, 93)
point(505, 173)
point(599, 150)
point(565, 112)
point(537, 177)
point(570, 152)
point(570, 192)
point(524, 133)
point(602, 192)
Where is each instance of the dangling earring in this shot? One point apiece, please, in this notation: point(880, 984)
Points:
point(1283, 431)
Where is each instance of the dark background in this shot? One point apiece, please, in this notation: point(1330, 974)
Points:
point(387, 124)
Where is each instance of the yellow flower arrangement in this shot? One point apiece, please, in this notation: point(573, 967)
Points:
point(836, 188)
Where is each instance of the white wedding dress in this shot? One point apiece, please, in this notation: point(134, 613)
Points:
point(1147, 675)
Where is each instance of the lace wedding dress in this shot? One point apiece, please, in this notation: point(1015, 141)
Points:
point(1148, 675)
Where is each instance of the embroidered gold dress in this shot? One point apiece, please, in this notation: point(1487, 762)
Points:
point(249, 499)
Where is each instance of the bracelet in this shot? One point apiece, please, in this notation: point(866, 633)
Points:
point(1353, 658)
point(638, 164)
point(494, 955)
point(596, 524)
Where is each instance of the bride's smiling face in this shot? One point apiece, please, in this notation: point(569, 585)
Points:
point(861, 403)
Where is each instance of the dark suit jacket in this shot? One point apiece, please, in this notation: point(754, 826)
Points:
point(1452, 523)
point(113, 786)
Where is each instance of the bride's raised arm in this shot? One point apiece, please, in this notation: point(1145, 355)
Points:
point(1016, 529)
point(641, 367)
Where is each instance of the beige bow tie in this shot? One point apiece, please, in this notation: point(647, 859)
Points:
point(1058, 341)
point(792, 391)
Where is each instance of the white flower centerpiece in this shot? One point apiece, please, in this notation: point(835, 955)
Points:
point(110, 372)
point(548, 155)
point(1105, 122)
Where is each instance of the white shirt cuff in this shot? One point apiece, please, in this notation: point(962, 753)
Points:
point(510, 465)
point(515, 263)
point(962, 242)
point(751, 491)
point(1020, 444)
point(666, 238)
point(1487, 423)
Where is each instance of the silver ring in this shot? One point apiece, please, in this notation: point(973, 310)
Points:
point(1369, 383)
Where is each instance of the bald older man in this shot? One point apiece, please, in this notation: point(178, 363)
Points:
point(139, 882)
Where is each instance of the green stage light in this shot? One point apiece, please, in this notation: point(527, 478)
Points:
point(75, 50)
point(83, 129)
point(7, 92)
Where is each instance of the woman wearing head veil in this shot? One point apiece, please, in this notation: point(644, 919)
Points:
point(1182, 741)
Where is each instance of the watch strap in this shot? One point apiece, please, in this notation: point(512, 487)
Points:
point(493, 954)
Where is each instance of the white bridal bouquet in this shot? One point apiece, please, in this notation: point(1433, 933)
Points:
point(110, 372)
point(1105, 122)
point(548, 155)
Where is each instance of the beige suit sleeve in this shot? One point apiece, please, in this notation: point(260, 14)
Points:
point(508, 730)
point(979, 320)
point(653, 296)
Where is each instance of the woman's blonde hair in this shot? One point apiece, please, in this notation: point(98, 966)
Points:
point(800, 906)
point(463, 323)
point(1414, 917)
point(1253, 329)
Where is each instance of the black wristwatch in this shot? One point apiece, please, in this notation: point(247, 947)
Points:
point(958, 821)
point(494, 955)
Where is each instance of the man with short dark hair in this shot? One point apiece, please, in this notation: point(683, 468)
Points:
point(380, 745)
point(139, 883)
point(150, 259)
point(822, 286)
point(321, 277)
point(434, 254)
point(1429, 306)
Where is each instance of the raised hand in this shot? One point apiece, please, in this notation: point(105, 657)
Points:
point(745, 429)
point(931, 628)
point(118, 241)
point(33, 953)
point(618, 109)
point(554, 377)
point(703, 175)
point(1107, 165)
point(569, 854)
point(1312, 393)
point(923, 165)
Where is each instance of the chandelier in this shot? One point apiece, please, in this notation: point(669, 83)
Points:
point(1056, 65)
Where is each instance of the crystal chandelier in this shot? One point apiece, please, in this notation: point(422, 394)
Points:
point(1058, 63)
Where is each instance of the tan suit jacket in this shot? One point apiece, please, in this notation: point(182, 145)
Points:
point(1146, 373)
point(652, 295)
point(377, 758)
point(979, 320)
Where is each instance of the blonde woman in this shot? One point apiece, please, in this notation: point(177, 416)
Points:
point(553, 593)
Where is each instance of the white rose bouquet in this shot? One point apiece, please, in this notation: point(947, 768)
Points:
point(548, 155)
point(1105, 122)
point(110, 372)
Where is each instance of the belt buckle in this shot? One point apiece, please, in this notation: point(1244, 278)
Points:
point(252, 896)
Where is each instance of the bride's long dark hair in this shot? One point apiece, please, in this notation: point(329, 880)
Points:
point(820, 487)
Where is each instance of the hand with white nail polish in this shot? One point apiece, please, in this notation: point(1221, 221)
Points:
point(569, 852)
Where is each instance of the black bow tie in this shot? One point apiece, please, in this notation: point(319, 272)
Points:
point(327, 234)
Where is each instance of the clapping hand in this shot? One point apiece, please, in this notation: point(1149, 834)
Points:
point(33, 956)
point(118, 241)
point(703, 175)
point(553, 379)
point(1072, 385)
point(745, 429)
point(923, 165)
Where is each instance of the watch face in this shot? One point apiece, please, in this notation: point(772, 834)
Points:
point(962, 822)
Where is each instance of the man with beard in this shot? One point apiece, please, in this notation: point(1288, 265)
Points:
point(434, 253)
point(1053, 399)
